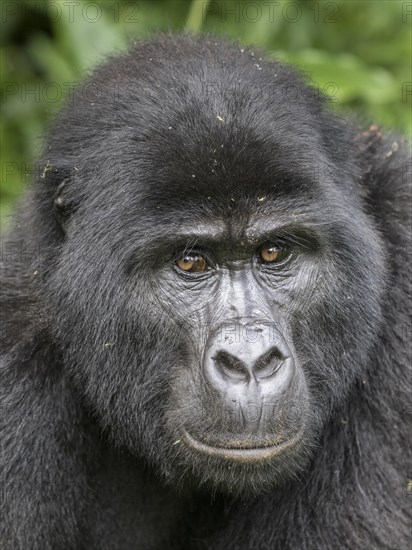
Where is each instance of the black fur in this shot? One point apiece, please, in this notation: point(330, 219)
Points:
point(179, 130)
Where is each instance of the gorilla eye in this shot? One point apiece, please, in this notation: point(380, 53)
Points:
point(270, 253)
point(192, 263)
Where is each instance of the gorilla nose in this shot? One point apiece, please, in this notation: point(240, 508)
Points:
point(247, 361)
point(261, 367)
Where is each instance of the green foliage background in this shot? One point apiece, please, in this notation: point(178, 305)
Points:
point(359, 51)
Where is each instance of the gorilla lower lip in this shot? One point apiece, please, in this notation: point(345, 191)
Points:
point(246, 454)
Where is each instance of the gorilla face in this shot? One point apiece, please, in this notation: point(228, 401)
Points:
point(222, 282)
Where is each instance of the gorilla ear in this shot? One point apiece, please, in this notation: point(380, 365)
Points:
point(61, 206)
point(58, 182)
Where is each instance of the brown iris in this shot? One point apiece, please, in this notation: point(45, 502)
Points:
point(270, 253)
point(192, 263)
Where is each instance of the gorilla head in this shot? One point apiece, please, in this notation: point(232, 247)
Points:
point(213, 277)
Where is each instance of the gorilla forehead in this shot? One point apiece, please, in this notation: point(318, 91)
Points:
point(231, 125)
point(224, 164)
point(228, 171)
point(208, 149)
point(226, 140)
point(228, 163)
point(225, 173)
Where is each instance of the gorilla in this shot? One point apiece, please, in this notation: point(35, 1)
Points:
point(205, 316)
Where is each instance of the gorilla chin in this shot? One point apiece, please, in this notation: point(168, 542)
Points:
point(244, 469)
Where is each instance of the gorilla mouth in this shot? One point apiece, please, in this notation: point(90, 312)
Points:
point(244, 453)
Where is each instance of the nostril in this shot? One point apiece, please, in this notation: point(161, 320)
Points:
point(268, 363)
point(230, 366)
